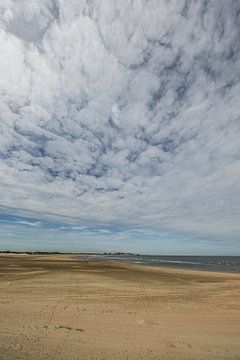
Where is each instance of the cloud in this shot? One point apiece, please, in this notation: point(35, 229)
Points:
point(122, 112)
point(28, 223)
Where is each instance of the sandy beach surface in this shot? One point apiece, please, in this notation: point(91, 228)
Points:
point(65, 307)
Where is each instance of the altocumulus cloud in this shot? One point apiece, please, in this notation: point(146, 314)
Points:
point(122, 112)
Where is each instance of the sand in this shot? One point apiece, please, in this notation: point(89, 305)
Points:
point(61, 307)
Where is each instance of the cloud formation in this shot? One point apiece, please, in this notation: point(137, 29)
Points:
point(122, 112)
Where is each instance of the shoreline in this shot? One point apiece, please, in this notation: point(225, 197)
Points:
point(168, 268)
point(91, 257)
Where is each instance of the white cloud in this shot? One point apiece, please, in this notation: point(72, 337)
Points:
point(28, 223)
point(122, 112)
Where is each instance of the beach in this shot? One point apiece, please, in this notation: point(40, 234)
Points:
point(70, 307)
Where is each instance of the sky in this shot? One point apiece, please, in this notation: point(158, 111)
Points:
point(120, 126)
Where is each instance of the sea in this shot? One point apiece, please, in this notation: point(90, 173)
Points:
point(209, 263)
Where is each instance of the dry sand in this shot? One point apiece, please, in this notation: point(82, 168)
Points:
point(59, 307)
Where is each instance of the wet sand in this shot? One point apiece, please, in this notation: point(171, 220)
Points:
point(60, 307)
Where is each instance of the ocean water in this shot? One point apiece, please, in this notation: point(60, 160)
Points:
point(211, 263)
